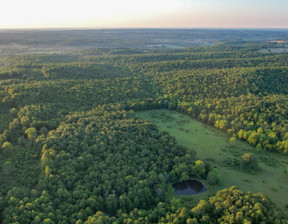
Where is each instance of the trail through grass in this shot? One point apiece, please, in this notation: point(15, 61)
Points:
point(213, 145)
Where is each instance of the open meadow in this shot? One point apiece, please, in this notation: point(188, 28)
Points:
point(213, 146)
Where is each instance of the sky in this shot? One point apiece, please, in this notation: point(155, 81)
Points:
point(144, 14)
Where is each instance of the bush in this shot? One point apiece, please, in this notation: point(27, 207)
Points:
point(248, 162)
point(231, 162)
point(214, 177)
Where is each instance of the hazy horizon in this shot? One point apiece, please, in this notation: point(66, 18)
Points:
point(173, 14)
point(139, 28)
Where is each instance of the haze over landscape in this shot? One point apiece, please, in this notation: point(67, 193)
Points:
point(144, 14)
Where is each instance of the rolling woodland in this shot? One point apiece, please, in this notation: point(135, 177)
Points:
point(73, 150)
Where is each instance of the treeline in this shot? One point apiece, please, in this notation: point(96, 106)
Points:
point(227, 206)
point(83, 71)
point(77, 93)
point(165, 55)
point(174, 65)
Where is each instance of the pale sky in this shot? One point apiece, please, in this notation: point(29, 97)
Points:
point(144, 13)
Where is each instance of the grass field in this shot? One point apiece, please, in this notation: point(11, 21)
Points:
point(213, 145)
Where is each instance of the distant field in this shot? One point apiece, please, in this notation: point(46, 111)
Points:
point(213, 145)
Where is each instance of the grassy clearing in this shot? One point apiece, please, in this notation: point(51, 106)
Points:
point(214, 146)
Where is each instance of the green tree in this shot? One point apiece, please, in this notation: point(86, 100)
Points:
point(8, 168)
point(111, 203)
point(7, 147)
point(214, 177)
point(31, 133)
point(248, 162)
point(199, 169)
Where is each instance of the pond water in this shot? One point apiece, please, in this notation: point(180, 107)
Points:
point(189, 187)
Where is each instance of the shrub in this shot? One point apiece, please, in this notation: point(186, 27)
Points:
point(214, 177)
point(248, 162)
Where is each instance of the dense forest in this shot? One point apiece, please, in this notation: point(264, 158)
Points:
point(73, 151)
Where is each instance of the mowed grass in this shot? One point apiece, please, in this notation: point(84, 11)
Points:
point(213, 146)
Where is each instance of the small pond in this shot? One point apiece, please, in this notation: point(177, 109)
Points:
point(189, 187)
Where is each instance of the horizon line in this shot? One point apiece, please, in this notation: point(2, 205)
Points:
point(138, 28)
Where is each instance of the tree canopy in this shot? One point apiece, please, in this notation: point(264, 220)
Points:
point(73, 151)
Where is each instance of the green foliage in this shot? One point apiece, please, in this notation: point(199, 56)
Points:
point(7, 147)
point(176, 202)
point(199, 168)
point(80, 155)
point(227, 206)
point(14, 112)
point(87, 160)
point(8, 168)
point(248, 162)
point(238, 96)
point(214, 177)
point(72, 94)
point(31, 133)
point(83, 71)
point(1, 203)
